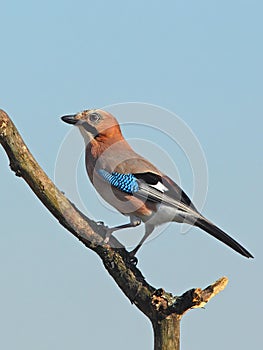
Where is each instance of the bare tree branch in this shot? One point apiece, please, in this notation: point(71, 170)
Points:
point(161, 307)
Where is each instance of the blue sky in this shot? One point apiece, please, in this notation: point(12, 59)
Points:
point(201, 60)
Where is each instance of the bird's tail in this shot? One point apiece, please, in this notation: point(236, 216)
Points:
point(216, 232)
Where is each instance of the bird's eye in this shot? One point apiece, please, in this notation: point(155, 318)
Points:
point(94, 117)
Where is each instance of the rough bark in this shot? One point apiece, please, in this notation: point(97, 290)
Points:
point(163, 309)
point(167, 333)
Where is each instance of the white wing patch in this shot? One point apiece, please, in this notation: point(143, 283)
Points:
point(160, 187)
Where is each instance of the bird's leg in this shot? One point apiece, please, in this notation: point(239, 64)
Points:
point(134, 221)
point(148, 230)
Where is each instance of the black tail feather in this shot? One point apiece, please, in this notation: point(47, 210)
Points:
point(222, 236)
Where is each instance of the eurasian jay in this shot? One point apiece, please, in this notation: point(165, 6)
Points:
point(134, 186)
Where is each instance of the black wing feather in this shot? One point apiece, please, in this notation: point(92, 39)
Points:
point(174, 191)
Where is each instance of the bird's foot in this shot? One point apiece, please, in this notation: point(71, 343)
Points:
point(100, 223)
point(132, 258)
point(109, 232)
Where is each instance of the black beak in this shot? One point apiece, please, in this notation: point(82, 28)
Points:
point(70, 119)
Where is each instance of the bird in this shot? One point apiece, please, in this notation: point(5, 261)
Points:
point(133, 185)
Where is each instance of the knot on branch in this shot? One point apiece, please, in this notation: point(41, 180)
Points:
point(162, 301)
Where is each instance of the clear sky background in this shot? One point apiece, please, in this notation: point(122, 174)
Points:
point(199, 59)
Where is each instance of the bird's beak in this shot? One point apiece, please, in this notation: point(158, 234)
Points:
point(70, 119)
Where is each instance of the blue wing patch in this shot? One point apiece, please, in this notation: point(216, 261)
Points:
point(124, 182)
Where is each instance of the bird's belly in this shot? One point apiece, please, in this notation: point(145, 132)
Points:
point(164, 214)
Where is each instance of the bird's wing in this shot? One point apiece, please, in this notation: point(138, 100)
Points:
point(167, 186)
point(153, 187)
point(161, 189)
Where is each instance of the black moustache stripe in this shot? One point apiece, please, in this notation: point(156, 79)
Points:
point(90, 128)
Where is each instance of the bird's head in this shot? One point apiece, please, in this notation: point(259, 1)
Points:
point(95, 124)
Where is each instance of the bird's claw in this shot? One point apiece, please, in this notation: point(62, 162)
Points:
point(133, 260)
point(100, 223)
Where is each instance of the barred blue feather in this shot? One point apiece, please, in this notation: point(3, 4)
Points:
point(124, 182)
